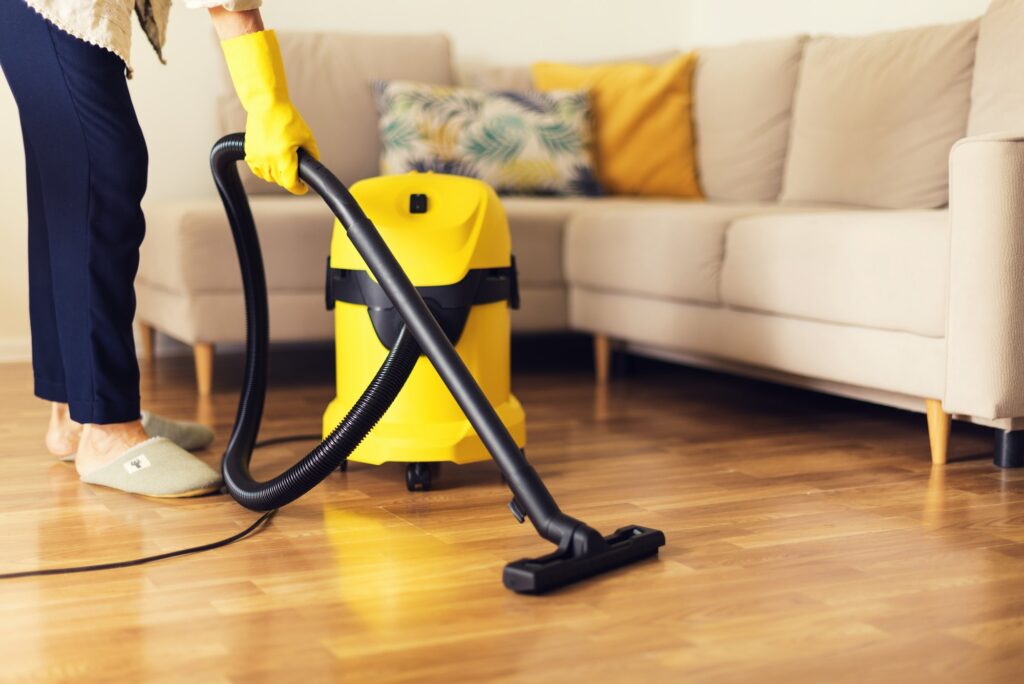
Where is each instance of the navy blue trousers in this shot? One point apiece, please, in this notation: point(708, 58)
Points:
point(86, 165)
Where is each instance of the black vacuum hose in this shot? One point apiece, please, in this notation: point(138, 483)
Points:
point(367, 411)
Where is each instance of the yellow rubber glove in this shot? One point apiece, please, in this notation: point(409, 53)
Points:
point(274, 129)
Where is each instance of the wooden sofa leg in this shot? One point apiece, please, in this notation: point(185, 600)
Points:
point(203, 353)
point(602, 358)
point(147, 339)
point(939, 423)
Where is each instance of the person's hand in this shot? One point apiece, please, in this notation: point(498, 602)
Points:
point(274, 129)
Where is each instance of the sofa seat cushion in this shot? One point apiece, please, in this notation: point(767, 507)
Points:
point(219, 318)
point(538, 227)
point(876, 269)
point(668, 250)
point(189, 248)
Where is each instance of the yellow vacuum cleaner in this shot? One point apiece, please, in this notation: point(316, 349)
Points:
point(451, 236)
point(427, 332)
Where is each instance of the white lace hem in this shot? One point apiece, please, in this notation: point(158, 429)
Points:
point(46, 12)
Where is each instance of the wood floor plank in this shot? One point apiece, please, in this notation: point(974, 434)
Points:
point(830, 551)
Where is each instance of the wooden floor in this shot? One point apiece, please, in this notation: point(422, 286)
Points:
point(809, 539)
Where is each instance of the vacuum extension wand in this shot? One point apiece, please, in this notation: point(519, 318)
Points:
point(582, 551)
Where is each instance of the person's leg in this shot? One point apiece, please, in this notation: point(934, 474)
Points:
point(89, 162)
point(94, 269)
point(90, 166)
point(47, 365)
point(62, 434)
point(103, 374)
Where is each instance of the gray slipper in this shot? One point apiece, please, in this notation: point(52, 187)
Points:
point(189, 436)
point(160, 468)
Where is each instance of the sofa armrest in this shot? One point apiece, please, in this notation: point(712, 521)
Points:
point(985, 323)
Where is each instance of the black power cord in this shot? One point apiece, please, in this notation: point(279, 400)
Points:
point(148, 559)
point(250, 530)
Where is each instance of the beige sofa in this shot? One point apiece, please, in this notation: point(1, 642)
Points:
point(824, 256)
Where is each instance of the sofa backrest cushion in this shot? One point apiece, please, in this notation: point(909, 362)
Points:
point(875, 117)
point(743, 101)
point(519, 77)
point(504, 78)
point(330, 77)
point(997, 94)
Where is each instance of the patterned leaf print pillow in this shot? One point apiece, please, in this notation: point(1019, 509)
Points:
point(519, 142)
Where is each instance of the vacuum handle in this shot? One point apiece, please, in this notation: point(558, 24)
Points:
point(224, 158)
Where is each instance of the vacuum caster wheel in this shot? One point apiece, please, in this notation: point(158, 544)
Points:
point(417, 476)
point(343, 468)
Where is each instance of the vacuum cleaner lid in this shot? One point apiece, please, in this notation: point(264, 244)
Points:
point(439, 227)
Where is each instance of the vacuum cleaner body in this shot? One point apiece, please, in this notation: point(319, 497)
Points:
point(451, 236)
point(471, 213)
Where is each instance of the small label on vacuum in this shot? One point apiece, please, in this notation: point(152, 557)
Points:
point(138, 463)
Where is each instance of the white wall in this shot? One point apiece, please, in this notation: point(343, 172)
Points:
point(726, 21)
point(13, 242)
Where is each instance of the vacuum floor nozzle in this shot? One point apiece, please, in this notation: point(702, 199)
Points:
point(626, 545)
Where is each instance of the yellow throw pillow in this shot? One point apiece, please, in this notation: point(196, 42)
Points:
point(642, 123)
